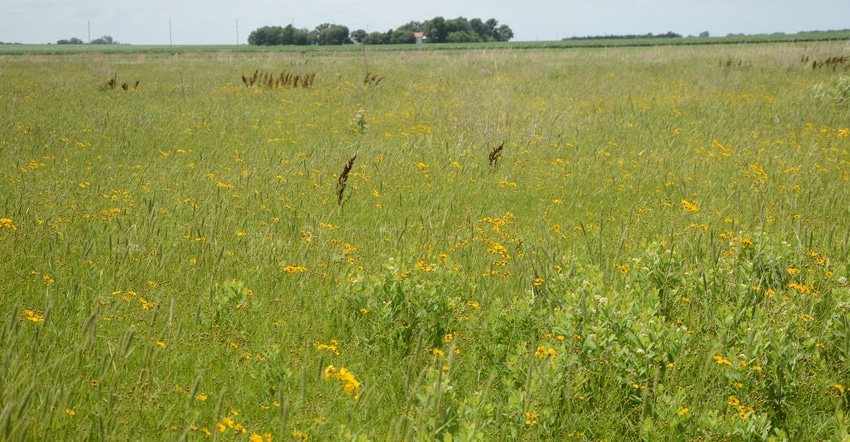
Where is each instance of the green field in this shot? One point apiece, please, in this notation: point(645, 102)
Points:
point(812, 37)
point(642, 243)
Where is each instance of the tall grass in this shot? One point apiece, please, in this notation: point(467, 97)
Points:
point(635, 243)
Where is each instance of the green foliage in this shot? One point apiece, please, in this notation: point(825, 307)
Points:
point(628, 243)
point(835, 89)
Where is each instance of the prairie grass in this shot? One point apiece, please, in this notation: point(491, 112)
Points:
point(595, 244)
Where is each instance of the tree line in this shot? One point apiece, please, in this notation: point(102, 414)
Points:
point(436, 30)
point(670, 34)
point(105, 40)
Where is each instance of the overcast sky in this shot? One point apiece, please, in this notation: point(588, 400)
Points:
point(215, 21)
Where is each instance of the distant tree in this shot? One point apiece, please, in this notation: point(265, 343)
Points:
point(75, 41)
point(266, 36)
point(357, 36)
point(105, 40)
point(436, 30)
point(330, 34)
point(459, 24)
point(375, 38)
point(504, 33)
point(404, 36)
point(669, 34)
point(294, 36)
point(481, 28)
point(412, 26)
point(462, 37)
point(703, 34)
point(276, 35)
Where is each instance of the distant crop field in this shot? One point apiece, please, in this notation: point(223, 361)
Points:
point(498, 243)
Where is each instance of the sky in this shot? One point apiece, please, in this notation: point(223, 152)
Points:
point(222, 22)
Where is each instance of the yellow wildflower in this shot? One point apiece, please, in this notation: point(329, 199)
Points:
point(721, 361)
point(6, 223)
point(32, 316)
point(689, 207)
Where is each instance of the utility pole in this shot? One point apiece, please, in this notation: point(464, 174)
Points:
point(170, 42)
point(237, 31)
point(89, 31)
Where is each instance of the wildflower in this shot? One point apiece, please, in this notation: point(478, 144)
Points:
point(6, 223)
point(32, 316)
point(70, 412)
point(684, 411)
point(93, 382)
point(542, 352)
point(330, 371)
point(437, 352)
point(349, 383)
point(799, 288)
point(449, 338)
point(331, 347)
point(689, 207)
point(530, 418)
point(721, 361)
point(840, 388)
point(424, 266)
point(293, 269)
point(734, 401)
point(364, 310)
point(299, 435)
point(160, 344)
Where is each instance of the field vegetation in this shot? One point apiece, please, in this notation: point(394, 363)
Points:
point(646, 243)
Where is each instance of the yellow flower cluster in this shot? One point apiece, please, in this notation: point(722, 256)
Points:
point(6, 223)
point(33, 316)
point(331, 346)
point(720, 360)
point(542, 352)
point(689, 207)
point(349, 383)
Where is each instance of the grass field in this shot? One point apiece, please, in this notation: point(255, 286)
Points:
point(646, 243)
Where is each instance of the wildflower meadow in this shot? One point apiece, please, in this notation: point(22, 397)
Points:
point(646, 243)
